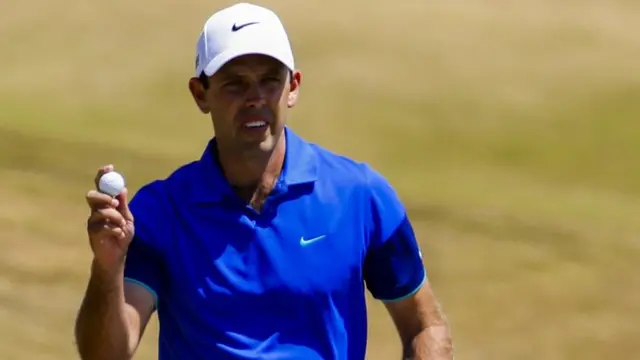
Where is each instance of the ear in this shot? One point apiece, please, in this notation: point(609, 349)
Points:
point(199, 94)
point(294, 88)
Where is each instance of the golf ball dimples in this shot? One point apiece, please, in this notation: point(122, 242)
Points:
point(111, 183)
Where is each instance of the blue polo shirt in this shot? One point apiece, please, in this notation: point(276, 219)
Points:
point(286, 283)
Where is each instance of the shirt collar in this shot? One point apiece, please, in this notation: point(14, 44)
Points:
point(209, 185)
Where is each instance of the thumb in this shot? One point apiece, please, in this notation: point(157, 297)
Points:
point(123, 205)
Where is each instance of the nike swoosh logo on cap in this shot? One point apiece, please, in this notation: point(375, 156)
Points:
point(236, 27)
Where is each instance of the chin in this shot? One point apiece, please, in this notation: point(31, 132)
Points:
point(271, 138)
point(269, 143)
point(264, 141)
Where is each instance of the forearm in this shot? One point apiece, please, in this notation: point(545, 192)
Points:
point(104, 326)
point(432, 343)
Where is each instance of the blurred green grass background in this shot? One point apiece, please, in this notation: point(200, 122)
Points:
point(510, 129)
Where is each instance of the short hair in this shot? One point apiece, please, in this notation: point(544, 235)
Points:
point(204, 79)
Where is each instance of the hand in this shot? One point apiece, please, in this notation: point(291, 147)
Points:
point(110, 226)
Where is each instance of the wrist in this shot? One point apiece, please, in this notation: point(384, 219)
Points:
point(107, 278)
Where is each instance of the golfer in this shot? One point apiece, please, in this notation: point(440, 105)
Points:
point(265, 246)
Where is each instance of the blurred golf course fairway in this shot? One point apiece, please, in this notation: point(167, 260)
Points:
point(511, 129)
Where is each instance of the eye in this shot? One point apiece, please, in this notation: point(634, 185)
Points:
point(272, 79)
point(233, 83)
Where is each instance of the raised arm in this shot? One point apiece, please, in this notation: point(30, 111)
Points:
point(120, 296)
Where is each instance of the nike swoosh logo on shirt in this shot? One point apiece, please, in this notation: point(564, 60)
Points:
point(305, 242)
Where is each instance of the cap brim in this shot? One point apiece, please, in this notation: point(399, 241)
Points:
point(219, 61)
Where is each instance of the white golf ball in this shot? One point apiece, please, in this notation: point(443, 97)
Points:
point(111, 183)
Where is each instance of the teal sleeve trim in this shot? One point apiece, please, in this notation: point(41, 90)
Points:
point(153, 292)
point(424, 280)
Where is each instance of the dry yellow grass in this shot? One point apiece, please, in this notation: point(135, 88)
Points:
point(509, 127)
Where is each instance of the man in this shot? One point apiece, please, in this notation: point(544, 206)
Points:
point(264, 247)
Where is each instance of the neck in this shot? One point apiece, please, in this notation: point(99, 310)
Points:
point(256, 169)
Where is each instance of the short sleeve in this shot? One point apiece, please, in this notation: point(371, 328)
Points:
point(144, 264)
point(393, 267)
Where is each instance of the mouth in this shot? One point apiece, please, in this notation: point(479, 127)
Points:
point(255, 124)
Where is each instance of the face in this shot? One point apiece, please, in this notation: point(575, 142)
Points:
point(248, 99)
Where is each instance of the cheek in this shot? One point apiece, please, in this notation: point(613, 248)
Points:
point(284, 101)
point(279, 98)
point(224, 111)
point(227, 99)
point(279, 105)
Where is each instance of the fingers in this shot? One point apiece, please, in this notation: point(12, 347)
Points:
point(106, 216)
point(101, 171)
point(106, 222)
point(123, 206)
point(97, 200)
point(110, 217)
point(105, 231)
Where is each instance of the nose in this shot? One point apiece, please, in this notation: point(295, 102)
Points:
point(255, 96)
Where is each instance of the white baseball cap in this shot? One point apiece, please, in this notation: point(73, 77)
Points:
point(241, 29)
